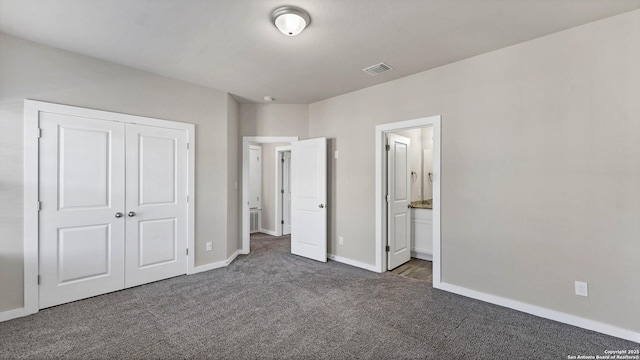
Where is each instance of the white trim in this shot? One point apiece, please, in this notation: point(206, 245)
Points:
point(217, 264)
point(423, 255)
point(14, 313)
point(544, 312)
point(233, 257)
point(380, 184)
point(210, 266)
point(32, 109)
point(246, 141)
point(279, 205)
point(31, 216)
point(350, 262)
point(268, 232)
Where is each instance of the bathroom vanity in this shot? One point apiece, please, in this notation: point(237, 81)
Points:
point(422, 233)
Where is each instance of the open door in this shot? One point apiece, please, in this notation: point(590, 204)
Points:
point(308, 198)
point(399, 195)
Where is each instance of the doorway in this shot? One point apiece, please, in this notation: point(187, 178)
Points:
point(269, 216)
point(382, 184)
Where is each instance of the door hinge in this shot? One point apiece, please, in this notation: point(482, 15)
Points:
point(282, 191)
point(282, 222)
point(187, 198)
point(387, 248)
point(282, 159)
point(39, 133)
point(388, 147)
point(38, 279)
point(187, 251)
point(388, 198)
point(187, 146)
point(38, 205)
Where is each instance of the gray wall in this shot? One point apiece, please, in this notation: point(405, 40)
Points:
point(29, 70)
point(540, 167)
point(274, 120)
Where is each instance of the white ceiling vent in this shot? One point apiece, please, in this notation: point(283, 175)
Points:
point(376, 69)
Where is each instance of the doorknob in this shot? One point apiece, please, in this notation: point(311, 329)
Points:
point(131, 214)
point(118, 214)
point(321, 206)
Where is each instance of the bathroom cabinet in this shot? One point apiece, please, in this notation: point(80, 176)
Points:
point(422, 233)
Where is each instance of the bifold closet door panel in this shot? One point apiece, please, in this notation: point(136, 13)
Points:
point(81, 222)
point(156, 203)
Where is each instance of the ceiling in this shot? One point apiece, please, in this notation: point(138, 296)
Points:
point(231, 45)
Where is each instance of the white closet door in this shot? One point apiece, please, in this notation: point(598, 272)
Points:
point(81, 246)
point(156, 205)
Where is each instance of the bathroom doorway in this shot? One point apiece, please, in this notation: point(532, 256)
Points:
point(428, 171)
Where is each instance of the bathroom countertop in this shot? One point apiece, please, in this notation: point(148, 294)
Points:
point(422, 204)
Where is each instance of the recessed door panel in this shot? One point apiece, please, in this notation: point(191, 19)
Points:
point(157, 242)
point(158, 170)
point(83, 167)
point(400, 238)
point(83, 253)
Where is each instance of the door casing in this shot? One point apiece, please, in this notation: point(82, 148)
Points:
point(32, 110)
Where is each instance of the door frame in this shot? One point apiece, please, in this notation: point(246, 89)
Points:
point(279, 179)
point(381, 184)
point(244, 205)
point(32, 109)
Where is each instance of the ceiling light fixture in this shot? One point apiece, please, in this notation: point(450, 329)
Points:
point(290, 20)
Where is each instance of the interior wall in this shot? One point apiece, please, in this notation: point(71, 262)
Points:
point(32, 71)
point(540, 167)
point(274, 120)
point(269, 197)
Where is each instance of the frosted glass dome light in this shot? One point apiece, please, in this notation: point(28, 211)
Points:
point(290, 20)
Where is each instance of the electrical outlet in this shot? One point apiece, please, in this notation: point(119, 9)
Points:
point(582, 288)
point(340, 240)
point(335, 154)
point(209, 246)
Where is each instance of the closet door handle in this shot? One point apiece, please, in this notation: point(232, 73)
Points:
point(321, 206)
point(131, 214)
point(118, 214)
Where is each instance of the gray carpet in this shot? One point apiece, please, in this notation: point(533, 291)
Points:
point(270, 304)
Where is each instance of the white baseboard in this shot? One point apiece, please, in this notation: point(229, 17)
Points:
point(268, 232)
point(421, 254)
point(544, 312)
point(13, 314)
point(233, 257)
point(353, 263)
point(217, 264)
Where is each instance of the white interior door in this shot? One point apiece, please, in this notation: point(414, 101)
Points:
point(308, 198)
point(286, 193)
point(82, 228)
point(156, 211)
point(399, 190)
